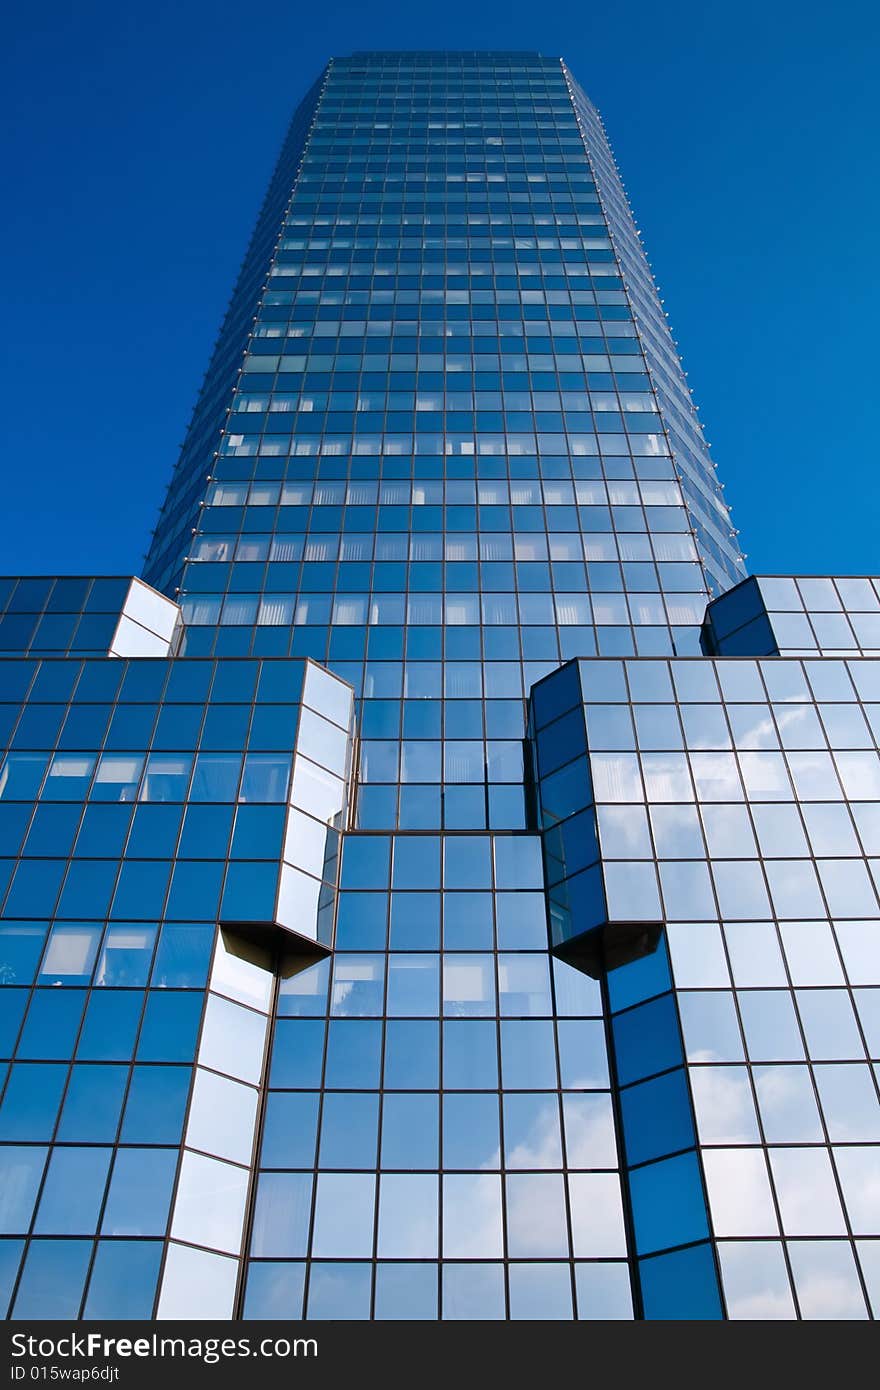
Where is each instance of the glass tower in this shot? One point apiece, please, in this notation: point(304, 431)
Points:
point(443, 886)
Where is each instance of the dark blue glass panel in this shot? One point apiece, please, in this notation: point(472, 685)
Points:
point(578, 904)
point(560, 742)
point(736, 607)
point(647, 1039)
point(755, 639)
point(565, 792)
point(657, 1117)
point(680, 1286)
point(556, 695)
point(571, 846)
point(668, 1204)
point(641, 979)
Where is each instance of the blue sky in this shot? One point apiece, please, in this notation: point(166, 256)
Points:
point(138, 140)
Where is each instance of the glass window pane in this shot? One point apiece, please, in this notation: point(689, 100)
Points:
point(209, 1203)
point(197, 1284)
point(344, 1205)
point(472, 1216)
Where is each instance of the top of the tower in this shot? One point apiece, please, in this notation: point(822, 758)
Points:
point(422, 55)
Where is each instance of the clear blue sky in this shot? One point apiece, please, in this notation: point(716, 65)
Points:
point(139, 139)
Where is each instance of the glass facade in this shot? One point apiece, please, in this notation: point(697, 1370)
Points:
point(725, 890)
point(443, 887)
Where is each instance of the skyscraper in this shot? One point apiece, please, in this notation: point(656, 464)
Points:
point(443, 887)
